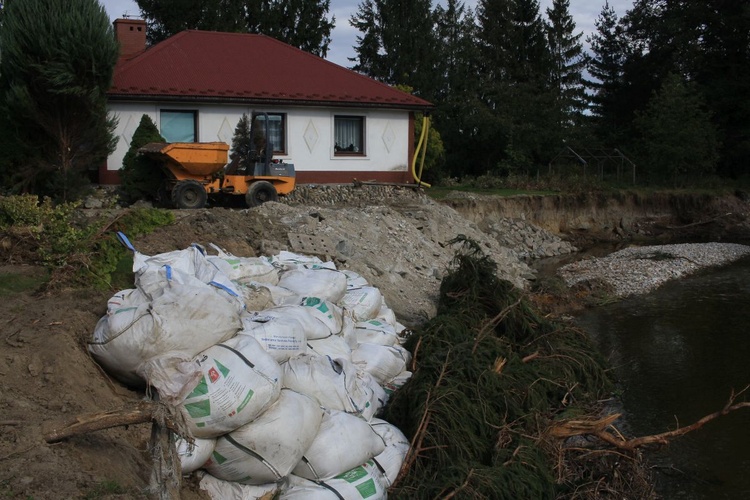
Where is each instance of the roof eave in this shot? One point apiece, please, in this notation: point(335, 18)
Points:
point(268, 102)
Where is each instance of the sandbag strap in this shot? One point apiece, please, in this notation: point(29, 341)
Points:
point(255, 455)
point(125, 241)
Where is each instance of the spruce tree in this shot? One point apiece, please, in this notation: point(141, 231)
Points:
point(677, 139)
point(242, 143)
point(142, 177)
point(58, 58)
point(606, 66)
point(397, 45)
point(568, 65)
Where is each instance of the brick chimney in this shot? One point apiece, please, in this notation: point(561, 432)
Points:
point(131, 33)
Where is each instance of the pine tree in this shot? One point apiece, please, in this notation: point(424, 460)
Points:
point(301, 23)
point(242, 143)
point(568, 65)
point(58, 57)
point(677, 139)
point(397, 45)
point(141, 176)
point(606, 66)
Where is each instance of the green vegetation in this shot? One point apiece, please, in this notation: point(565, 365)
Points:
point(58, 58)
point(491, 373)
point(77, 252)
point(104, 489)
point(142, 177)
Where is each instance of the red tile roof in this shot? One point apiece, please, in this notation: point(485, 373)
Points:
point(220, 67)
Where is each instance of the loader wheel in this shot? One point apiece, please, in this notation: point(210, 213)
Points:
point(189, 194)
point(260, 192)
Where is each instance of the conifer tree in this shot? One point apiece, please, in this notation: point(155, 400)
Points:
point(568, 65)
point(58, 58)
point(606, 65)
point(242, 143)
point(142, 177)
point(397, 45)
point(677, 139)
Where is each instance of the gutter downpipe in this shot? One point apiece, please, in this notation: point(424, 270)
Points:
point(422, 137)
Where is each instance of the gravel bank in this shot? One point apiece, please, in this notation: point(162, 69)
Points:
point(639, 270)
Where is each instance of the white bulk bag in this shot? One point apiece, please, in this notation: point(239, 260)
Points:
point(240, 381)
point(334, 347)
point(354, 280)
point(396, 448)
point(334, 383)
point(375, 331)
point(245, 269)
point(364, 482)
point(320, 282)
point(313, 327)
point(260, 296)
point(218, 489)
point(396, 382)
point(381, 361)
point(283, 337)
point(267, 449)
point(363, 303)
point(194, 455)
point(326, 312)
point(343, 442)
point(185, 319)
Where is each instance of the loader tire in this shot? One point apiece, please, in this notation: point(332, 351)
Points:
point(260, 192)
point(189, 194)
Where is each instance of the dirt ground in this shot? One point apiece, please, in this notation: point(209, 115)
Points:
point(47, 376)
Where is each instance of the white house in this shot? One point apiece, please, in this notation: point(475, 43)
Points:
point(333, 124)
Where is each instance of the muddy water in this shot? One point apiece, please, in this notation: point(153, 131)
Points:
point(678, 353)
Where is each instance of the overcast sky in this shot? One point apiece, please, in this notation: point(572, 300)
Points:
point(343, 38)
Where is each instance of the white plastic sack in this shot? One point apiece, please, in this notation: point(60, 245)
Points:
point(334, 383)
point(193, 456)
point(396, 448)
point(354, 280)
point(267, 449)
point(396, 382)
point(326, 312)
point(333, 347)
point(182, 318)
point(325, 283)
point(375, 331)
point(363, 303)
point(313, 327)
point(240, 381)
point(293, 260)
point(283, 337)
point(219, 489)
point(245, 269)
point(382, 362)
point(378, 398)
point(343, 442)
point(364, 482)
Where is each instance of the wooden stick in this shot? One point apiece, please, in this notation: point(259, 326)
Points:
point(141, 413)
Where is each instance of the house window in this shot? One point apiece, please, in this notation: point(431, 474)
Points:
point(349, 135)
point(179, 126)
point(276, 130)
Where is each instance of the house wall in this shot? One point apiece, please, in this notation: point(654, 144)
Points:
point(309, 139)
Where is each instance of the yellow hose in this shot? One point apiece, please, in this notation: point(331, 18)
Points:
point(422, 137)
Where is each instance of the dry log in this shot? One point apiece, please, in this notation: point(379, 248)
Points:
point(142, 412)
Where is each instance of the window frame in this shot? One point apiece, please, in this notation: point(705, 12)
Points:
point(283, 150)
point(194, 112)
point(340, 153)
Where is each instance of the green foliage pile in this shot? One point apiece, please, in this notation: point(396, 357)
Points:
point(141, 176)
point(84, 253)
point(490, 374)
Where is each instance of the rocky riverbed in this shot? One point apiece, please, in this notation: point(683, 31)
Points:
point(638, 270)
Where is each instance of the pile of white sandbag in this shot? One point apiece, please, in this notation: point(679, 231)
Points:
point(281, 364)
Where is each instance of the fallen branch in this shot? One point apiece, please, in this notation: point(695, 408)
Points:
point(601, 428)
point(141, 413)
point(699, 223)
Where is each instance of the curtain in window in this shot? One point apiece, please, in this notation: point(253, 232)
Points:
point(178, 126)
point(275, 131)
point(348, 134)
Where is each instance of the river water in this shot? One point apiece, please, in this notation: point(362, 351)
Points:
point(678, 352)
